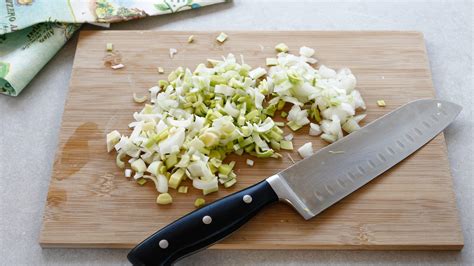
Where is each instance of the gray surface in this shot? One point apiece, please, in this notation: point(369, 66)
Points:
point(30, 124)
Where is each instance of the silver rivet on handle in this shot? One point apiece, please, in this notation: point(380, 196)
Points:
point(163, 243)
point(247, 199)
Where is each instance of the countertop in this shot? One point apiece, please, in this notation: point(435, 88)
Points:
point(30, 124)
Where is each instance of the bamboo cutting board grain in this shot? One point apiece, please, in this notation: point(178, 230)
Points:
point(91, 204)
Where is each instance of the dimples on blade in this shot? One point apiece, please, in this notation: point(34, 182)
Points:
point(341, 168)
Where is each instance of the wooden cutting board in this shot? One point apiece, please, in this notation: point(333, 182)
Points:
point(91, 204)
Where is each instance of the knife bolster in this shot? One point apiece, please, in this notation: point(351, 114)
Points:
point(287, 195)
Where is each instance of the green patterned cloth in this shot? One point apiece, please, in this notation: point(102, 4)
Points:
point(32, 31)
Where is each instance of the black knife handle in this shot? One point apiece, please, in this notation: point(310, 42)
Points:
point(203, 226)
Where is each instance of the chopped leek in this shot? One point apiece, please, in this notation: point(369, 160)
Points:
point(286, 145)
point(281, 47)
point(271, 62)
point(176, 178)
point(183, 189)
point(222, 37)
point(199, 202)
point(139, 99)
point(110, 47)
point(190, 38)
point(306, 150)
point(138, 166)
point(195, 118)
point(164, 199)
point(141, 181)
point(381, 103)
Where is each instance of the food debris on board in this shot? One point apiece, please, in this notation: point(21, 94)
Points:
point(222, 37)
point(109, 47)
point(112, 58)
point(381, 103)
point(173, 51)
point(196, 118)
point(161, 70)
point(190, 38)
point(141, 99)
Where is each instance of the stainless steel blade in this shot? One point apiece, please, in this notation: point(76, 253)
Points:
point(319, 181)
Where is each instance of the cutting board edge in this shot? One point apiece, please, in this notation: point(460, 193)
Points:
point(405, 247)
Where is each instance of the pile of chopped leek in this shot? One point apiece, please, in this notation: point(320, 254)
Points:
point(196, 118)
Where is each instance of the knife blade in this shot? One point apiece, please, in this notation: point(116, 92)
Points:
point(310, 186)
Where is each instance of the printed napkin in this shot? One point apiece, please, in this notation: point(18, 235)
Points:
point(32, 31)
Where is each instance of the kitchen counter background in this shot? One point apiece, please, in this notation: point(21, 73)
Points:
point(30, 124)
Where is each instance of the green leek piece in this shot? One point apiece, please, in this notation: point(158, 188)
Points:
point(274, 135)
point(162, 169)
point(138, 166)
point(199, 202)
point(236, 147)
point(171, 161)
point(275, 145)
point(283, 114)
point(216, 80)
point(251, 115)
point(212, 168)
point(215, 154)
point(183, 189)
point(176, 178)
point(250, 148)
point(210, 190)
point(264, 154)
point(280, 124)
point(239, 151)
point(246, 142)
point(148, 109)
point(230, 183)
point(232, 164)
point(270, 110)
point(293, 125)
point(265, 137)
point(164, 199)
point(286, 145)
point(281, 47)
point(216, 162)
point(163, 83)
point(225, 169)
point(141, 181)
point(280, 105)
point(315, 114)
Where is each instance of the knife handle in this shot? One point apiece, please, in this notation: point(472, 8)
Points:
point(202, 227)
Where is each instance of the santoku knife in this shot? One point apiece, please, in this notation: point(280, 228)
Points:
point(310, 186)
